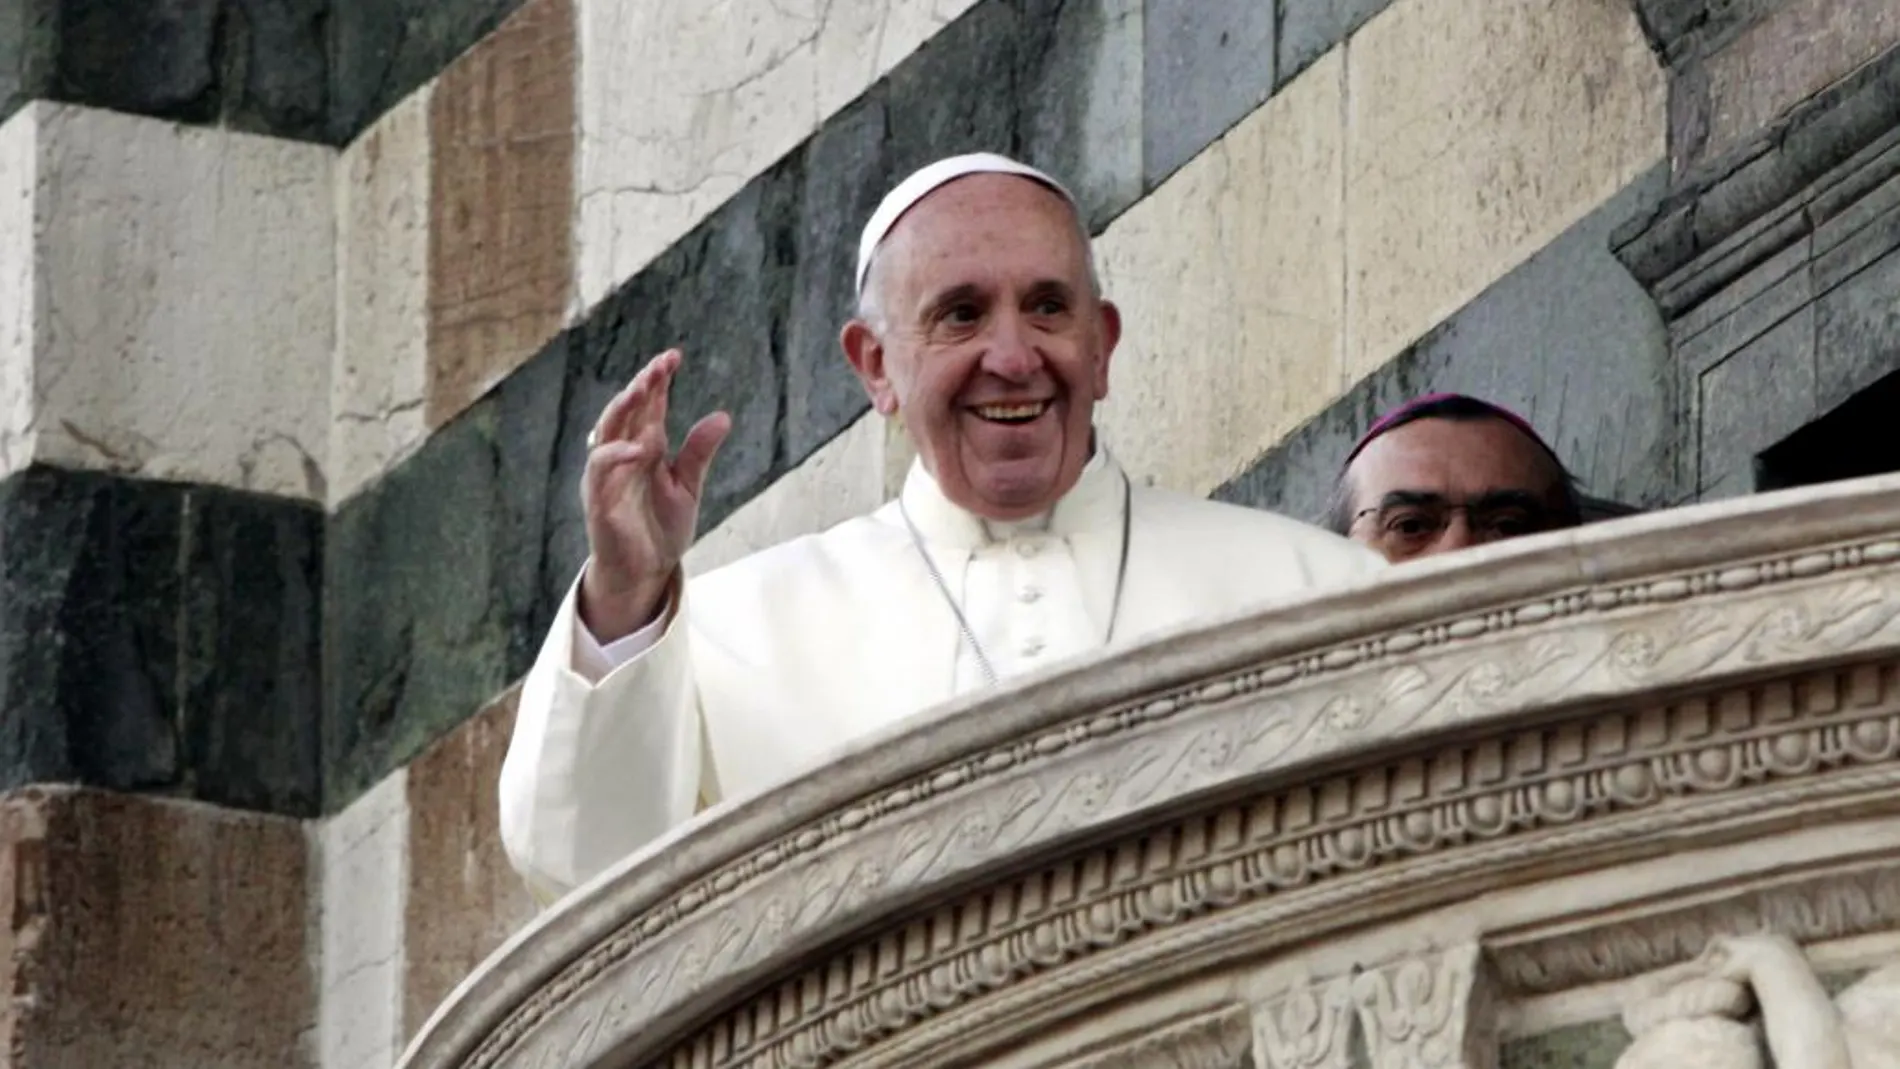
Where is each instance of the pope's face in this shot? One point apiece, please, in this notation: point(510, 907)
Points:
point(990, 343)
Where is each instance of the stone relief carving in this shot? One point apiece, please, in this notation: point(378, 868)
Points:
point(1699, 1014)
point(1836, 906)
point(1307, 1027)
point(1431, 1011)
point(1219, 1040)
point(1042, 787)
point(1294, 843)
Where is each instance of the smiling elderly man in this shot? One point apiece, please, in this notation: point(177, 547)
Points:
point(1016, 541)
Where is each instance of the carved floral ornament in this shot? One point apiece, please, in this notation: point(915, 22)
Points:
point(1769, 619)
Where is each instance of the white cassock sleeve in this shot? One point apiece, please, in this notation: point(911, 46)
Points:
point(605, 757)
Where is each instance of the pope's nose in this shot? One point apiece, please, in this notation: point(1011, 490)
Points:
point(1011, 353)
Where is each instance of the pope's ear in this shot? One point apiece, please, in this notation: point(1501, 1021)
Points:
point(1111, 336)
point(865, 350)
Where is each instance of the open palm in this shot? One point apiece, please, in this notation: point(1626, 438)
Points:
point(641, 501)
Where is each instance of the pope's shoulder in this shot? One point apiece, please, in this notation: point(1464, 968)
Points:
point(1217, 529)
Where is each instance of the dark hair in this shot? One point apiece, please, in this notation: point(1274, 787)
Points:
point(1458, 409)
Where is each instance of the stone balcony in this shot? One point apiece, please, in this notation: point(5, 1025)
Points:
point(1585, 797)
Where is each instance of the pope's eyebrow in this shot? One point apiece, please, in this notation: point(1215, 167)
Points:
point(967, 292)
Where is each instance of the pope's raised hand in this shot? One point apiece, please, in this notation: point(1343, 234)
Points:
point(641, 501)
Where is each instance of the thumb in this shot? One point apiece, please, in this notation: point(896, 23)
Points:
point(696, 452)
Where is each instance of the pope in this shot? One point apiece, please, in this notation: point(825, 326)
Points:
point(1016, 541)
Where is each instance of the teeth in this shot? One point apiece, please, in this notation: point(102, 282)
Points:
point(1027, 411)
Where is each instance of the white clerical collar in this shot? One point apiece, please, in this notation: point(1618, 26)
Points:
point(1093, 503)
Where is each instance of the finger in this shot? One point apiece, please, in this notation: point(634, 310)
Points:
point(612, 465)
point(649, 409)
point(613, 419)
point(626, 413)
point(668, 367)
point(696, 453)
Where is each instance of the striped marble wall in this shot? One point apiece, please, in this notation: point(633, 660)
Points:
point(305, 313)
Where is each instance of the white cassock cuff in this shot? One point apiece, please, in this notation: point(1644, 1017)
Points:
point(594, 662)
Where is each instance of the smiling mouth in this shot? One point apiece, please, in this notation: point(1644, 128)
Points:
point(1019, 413)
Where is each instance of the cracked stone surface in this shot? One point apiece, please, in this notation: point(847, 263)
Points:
point(363, 860)
point(143, 931)
point(159, 637)
point(183, 311)
point(682, 104)
point(1457, 171)
point(380, 373)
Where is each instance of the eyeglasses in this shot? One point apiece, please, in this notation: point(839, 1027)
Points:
point(1409, 524)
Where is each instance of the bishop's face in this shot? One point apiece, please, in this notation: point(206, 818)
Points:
point(990, 343)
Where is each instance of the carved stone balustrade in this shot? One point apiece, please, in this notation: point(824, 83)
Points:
point(1560, 791)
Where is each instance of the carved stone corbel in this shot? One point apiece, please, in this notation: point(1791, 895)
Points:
point(1431, 1011)
point(1308, 1027)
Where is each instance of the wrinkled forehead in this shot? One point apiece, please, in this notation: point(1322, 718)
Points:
point(1457, 459)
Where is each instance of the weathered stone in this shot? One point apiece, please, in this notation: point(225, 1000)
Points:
point(1755, 397)
point(1311, 28)
point(1204, 68)
point(379, 371)
point(90, 648)
point(182, 302)
point(158, 637)
point(843, 180)
point(383, 50)
point(29, 49)
point(501, 133)
point(1458, 171)
point(1595, 1045)
point(144, 932)
point(463, 898)
point(1592, 372)
point(1081, 96)
point(278, 81)
point(364, 851)
point(679, 108)
point(255, 65)
point(1230, 278)
point(433, 590)
point(1857, 328)
point(1799, 49)
point(1680, 31)
point(251, 696)
point(148, 57)
point(1763, 176)
point(740, 263)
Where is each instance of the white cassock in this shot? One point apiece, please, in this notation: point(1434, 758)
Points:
point(770, 662)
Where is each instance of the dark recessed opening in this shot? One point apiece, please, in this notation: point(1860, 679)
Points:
point(1860, 437)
